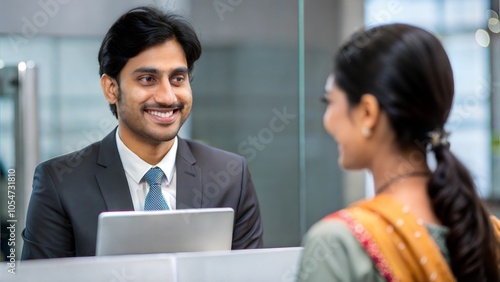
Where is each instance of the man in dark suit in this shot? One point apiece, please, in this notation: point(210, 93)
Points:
point(146, 59)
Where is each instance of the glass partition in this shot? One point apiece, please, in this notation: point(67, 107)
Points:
point(245, 101)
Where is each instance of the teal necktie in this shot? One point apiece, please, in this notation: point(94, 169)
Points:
point(154, 198)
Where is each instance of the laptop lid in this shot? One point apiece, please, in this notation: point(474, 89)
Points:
point(144, 232)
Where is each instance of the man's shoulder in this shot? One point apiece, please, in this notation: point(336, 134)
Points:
point(73, 159)
point(86, 154)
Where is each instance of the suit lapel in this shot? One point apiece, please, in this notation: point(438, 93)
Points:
point(189, 192)
point(111, 177)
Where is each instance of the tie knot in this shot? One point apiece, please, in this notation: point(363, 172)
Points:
point(154, 176)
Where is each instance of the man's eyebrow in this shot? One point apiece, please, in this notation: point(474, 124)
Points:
point(147, 70)
point(179, 70)
point(156, 71)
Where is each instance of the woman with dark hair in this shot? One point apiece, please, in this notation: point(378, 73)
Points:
point(388, 100)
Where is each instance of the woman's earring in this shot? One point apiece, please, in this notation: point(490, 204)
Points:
point(367, 132)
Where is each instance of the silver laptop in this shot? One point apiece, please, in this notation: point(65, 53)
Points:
point(144, 232)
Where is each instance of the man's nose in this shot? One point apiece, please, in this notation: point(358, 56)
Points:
point(165, 94)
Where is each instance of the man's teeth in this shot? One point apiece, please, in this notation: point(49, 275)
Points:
point(162, 114)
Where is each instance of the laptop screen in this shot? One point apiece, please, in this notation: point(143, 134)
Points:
point(170, 231)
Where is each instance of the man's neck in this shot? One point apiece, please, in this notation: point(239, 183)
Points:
point(149, 151)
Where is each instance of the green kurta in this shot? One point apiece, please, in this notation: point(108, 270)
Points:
point(332, 253)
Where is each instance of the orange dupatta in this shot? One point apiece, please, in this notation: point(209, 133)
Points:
point(398, 243)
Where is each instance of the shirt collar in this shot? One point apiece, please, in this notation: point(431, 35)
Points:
point(136, 167)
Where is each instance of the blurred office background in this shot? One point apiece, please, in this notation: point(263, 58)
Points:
point(256, 90)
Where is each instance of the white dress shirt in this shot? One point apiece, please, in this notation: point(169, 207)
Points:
point(135, 168)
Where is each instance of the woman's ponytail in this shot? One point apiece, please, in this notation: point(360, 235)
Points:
point(459, 207)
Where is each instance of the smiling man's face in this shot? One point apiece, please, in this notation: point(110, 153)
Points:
point(154, 94)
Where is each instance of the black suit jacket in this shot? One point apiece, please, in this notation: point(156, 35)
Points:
point(69, 193)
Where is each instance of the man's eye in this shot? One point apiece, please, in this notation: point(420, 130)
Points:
point(177, 79)
point(147, 79)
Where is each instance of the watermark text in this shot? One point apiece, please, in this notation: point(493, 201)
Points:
point(11, 221)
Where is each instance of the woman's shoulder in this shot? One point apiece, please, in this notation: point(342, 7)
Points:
point(332, 253)
point(328, 227)
point(336, 226)
point(334, 236)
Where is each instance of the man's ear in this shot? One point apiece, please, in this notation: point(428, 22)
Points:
point(109, 87)
point(369, 112)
